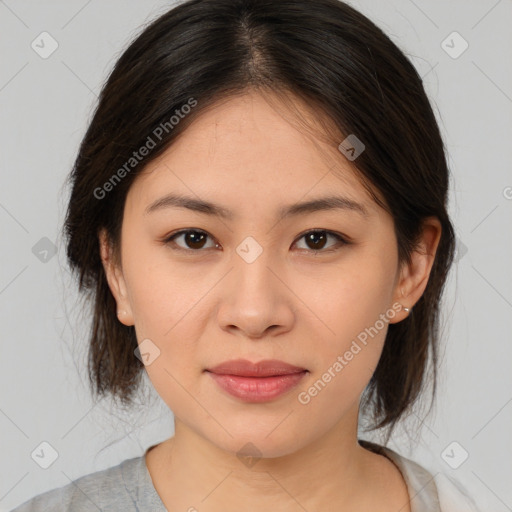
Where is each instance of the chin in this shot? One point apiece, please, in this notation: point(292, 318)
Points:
point(255, 444)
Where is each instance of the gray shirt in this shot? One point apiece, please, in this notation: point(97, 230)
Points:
point(128, 487)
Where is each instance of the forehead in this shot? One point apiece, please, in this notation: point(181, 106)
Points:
point(246, 151)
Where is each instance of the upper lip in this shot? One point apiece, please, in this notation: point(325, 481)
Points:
point(264, 368)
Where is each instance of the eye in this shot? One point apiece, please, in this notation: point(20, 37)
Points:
point(316, 240)
point(194, 239)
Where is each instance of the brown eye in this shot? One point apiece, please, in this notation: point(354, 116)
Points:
point(317, 240)
point(193, 239)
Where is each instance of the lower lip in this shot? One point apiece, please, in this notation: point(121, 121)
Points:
point(257, 389)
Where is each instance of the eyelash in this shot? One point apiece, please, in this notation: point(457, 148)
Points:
point(170, 240)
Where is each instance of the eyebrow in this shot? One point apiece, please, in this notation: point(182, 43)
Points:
point(212, 209)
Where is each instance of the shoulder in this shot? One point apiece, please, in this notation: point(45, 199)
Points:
point(122, 487)
point(432, 492)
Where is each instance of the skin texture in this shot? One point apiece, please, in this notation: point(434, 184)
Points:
point(205, 307)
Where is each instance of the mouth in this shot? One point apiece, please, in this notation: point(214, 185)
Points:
point(265, 368)
point(256, 382)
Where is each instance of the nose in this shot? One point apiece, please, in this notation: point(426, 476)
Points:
point(256, 301)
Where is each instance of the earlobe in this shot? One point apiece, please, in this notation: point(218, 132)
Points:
point(414, 276)
point(115, 279)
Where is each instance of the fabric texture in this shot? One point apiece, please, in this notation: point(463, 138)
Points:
point(128, 487)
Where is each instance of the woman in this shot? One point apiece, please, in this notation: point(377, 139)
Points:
point(259, 212)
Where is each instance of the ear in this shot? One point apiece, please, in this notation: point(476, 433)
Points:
point(115, 279)
point(414, 276)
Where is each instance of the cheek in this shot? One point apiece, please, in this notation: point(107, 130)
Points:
point(350, 297)
point(166, 312)
point(344, 362)
point(353, 305)
point(168, 309)
point(162, 294)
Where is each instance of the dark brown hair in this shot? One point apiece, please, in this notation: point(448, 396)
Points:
point(330, 56)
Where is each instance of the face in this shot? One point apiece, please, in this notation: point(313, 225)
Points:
point(203, 288)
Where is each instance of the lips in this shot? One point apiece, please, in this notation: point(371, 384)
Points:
point(256, 382)
point(265, 368)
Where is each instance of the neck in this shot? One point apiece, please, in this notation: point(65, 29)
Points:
point(191, 470)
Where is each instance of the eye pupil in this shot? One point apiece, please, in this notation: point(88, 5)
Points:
point(313, 237)
point(192, 237)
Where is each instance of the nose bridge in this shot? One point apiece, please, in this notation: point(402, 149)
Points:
point(252, 272)
point(255, 298)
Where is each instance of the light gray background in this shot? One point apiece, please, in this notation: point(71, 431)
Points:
point(45, 107)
